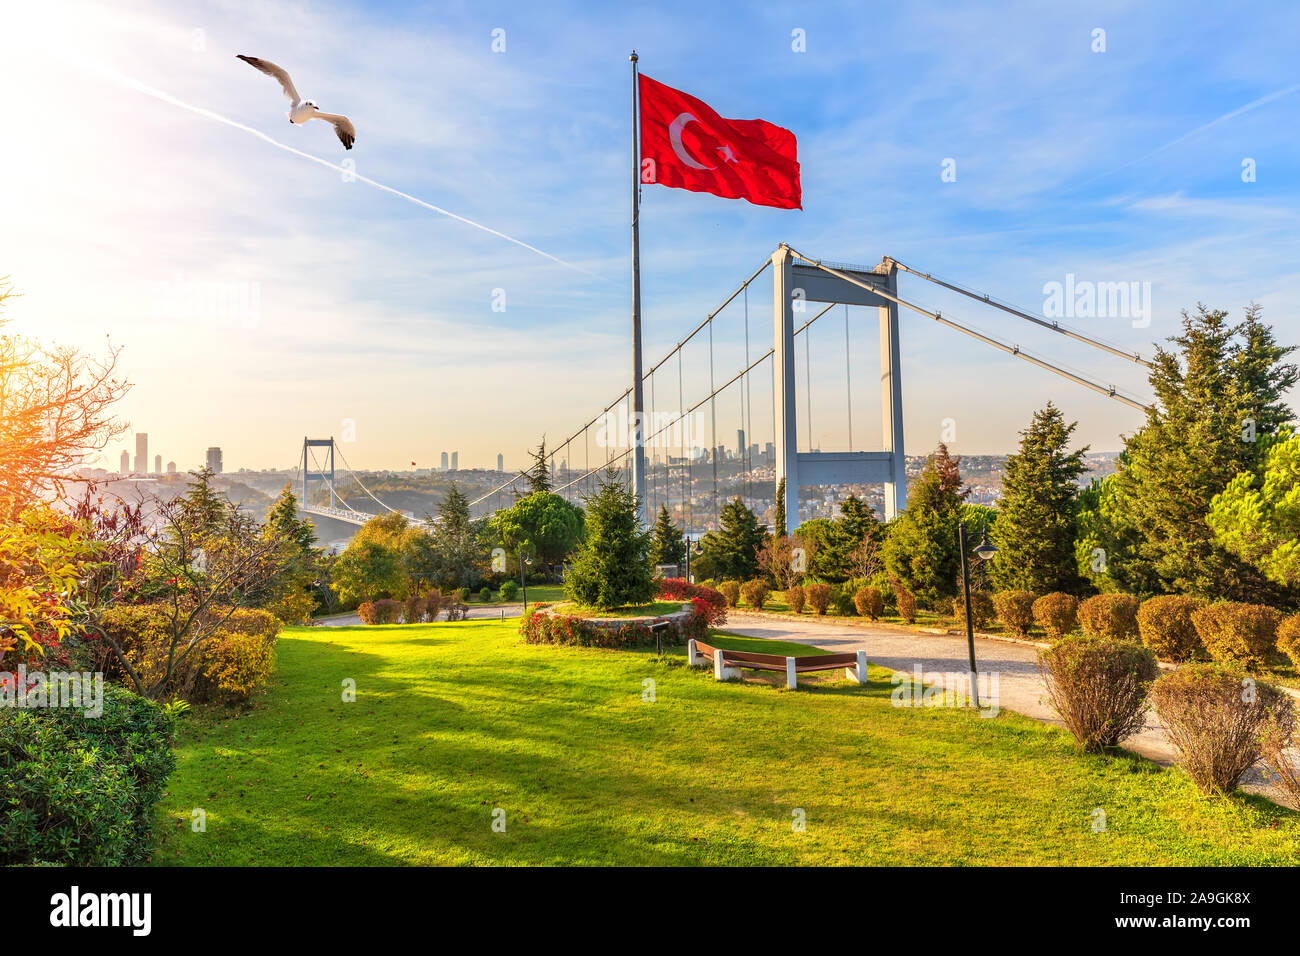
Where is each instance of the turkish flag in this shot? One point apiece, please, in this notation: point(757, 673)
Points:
point(686, 145)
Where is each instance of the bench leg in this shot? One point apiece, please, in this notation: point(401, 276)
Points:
point(858, 673)
point(692, 659)
point(720, 669)
point(791, 678)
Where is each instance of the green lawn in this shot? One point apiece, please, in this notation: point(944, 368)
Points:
point(454, 720)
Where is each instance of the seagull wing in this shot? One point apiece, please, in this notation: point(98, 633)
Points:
point(342, 126)
point(270, 69)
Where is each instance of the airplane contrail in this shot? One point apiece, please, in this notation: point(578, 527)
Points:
point(145, 88)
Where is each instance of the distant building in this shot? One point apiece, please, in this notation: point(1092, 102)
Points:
point(444, 461)
point(501, 462)
point(740, 442)
point(126, 463)
point(214, 460)
point(171, 467)
point(142, 453)
point(157, 464)
point(455, 460)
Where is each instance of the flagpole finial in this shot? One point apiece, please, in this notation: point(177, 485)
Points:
point(633, 57)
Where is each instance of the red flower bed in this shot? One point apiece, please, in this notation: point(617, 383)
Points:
point(679, 589)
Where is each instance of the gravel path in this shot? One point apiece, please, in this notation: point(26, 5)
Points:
point(1019, 685)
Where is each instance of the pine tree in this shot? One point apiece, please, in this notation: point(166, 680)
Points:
point(454, 542)
point(668, 544)
point(731, 552)
point(612, 568)
point(922, 546)
point(539, 475)
point(1037, 517)
point(779, 518)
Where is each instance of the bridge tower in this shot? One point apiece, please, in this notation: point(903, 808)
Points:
point(308, 475)
point(797, 283)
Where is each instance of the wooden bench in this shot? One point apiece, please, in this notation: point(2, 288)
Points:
point(726, 664)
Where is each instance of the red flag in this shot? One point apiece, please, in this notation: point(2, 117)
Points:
point(686, 145)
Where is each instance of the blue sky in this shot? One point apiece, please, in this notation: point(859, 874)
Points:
point(1115, 166)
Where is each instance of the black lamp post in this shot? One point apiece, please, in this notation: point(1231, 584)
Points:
point(523, 576)
point(696, 549)
point(984, 550)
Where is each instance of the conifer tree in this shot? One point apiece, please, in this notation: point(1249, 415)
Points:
point(731, 552)
point(668, 544)
point(612, 568)
point(922, 546)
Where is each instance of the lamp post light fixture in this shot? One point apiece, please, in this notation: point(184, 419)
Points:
point(695, 549)
point(984, 551)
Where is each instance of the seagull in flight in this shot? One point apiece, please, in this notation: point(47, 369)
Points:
point(300, 110)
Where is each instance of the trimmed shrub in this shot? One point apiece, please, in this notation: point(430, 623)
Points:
point(485, 595)
point(755, 592)
point(1234, 633)
point(388, 611)
point(434, 601)
point(819, 597)
point(413, 610)
point(509, 590)
point(78, 790)
point(981, 609)
point(904, 600)
point(1015, 609)
point(367, 612)
point(1099, 687)
point(237, 661)
point(869, 603)
point(679, 589)
point(1288, 639)
point(1276, 744)
point(842, 600)
point(462, 595)
point(795, 598)
point(731, 591)
point(1216, 725)
point(1165, 624)
point(1057, 614)
point(1110, 616)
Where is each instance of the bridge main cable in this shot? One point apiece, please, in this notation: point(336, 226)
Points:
point(1108, 391)
point(1037, 320)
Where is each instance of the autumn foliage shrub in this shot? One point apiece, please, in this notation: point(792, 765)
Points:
point(366, 611)
point(819, 597)
point(904, 600)
point(795, 598)
point(869, 603)
point(755, 592)
point(1057, 614)
point(1099, 687)
point(1235, 633)
point(237, 661)
point(1288, 639)
point(679, 589)
point(413, 610)
point(388, 611)
point(1218, 719)
point(1110, 616)
point(731, 591)
point(1015, 609)
point(1165, 625)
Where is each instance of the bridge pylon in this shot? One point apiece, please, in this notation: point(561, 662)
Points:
point(308, 475)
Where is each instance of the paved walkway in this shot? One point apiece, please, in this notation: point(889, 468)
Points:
point(1020, 685)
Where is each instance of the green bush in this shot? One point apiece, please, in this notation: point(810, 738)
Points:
point(1288, 639)
point(1235, 633)
point(819, 597)
point(755, 592)
point(869, 603)
point(795, 598)
point(509, 590)
point(1219, 720)
point(1057, 614)
point(1165, 625)
point(731, 591)
point(1099, 687)
point(842, 600)
point(1015, 609)
point(78, 790)
point(1111, 616)
point(462, 595)
point(485, 595)
point(981, 610)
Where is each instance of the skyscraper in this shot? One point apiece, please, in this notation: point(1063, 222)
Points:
point(214, 460)
point(455, 458)
point(171, 467)
point(501, 462)
point(157, 464)
point(142, 453)
point(126, 463)
point(444, 461)
point(740, 442)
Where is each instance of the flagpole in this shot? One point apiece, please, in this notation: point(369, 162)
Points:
point(638, 399)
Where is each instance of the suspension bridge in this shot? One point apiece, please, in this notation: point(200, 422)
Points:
point(689, 470)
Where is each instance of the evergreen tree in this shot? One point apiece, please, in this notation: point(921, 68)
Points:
point(612, 568)
point(921, 549)
point(731, 552)
point(456, 557)
point(668, 544)
point(539, 475)
point(1037, 516)
point(1196, 439)
point(779, 518)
